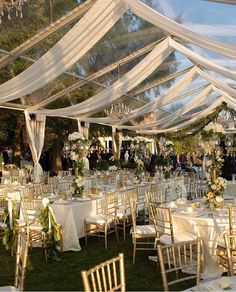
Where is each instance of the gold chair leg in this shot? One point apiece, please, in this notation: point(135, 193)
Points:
point(134, 249)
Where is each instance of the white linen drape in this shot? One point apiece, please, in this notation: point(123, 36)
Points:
point(198, 100)
point(144, 11)
point(170, 96)
point(36, 130)
point(81, 38)
point(201, 60)
point(185, 124)
point(127, 82)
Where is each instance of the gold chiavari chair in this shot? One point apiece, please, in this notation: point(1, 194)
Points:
point(155, 197)
point(105, 222)
point(230, 255)
point(154, 187)
point(221, 246)
point(31, 211)
point(107, 276)
point(141, 204)
point(21, 263)
point(123, 211)
point(142, 235)
point(163, 224)
point(176, 257)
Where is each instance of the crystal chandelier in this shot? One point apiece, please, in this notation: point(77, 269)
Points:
point(6, 6)
point(118, 111)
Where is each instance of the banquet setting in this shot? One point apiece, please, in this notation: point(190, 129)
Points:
point(117, 145)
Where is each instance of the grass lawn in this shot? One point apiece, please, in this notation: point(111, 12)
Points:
point(65, 275)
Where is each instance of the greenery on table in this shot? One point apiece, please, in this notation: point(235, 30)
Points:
point(65, 275)
point(102, 165)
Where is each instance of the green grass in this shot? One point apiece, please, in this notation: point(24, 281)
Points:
point(65, 275)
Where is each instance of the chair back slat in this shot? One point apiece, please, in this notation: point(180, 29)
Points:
point(162, 219)
point(107, 276)
point(176, 257)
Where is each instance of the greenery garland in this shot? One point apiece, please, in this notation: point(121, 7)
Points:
point(50, 230)
point(79, 148)
point(10, 232)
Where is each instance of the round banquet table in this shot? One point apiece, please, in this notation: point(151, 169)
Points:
point(209, 228)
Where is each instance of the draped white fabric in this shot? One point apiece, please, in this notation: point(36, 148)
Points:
point(170, 96)
point(185, 124)
point(36, 130)
point(86, 33)
point(173, 28)
point(201, 60)
point(127, 82)
point(198, 100)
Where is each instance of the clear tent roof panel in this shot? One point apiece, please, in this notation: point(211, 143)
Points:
point(131, 33)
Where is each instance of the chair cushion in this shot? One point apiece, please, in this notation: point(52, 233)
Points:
point(145, 230)
point(98, 219)
point(121, 212)
point(3, 225)
point(178, 237)
point(35, 227)
point(20, 222)
point(9, 288)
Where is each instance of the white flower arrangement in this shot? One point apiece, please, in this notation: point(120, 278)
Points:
point(75, 136)
point(214, 127)
point(79, 181)
point(169, 143)
point(45, 202)
point(113, 168)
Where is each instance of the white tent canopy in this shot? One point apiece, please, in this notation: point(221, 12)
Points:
point(91, 28)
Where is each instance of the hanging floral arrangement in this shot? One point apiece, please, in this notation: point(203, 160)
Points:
point(79, 147)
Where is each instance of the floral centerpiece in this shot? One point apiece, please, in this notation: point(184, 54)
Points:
point(79, 148)
point(113, 168)
point(139, 145)
point(164, 161)
point(211, 135)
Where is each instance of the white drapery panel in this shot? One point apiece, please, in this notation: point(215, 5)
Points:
point(170, 96)
point(221, 85)
point(198, 100)
point(201, 60)
point(127, 82)
point(187, 123)
point(36, 130)
point(78, 41)
point(173, 28)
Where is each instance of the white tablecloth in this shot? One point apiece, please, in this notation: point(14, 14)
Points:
point(71, 216)
point(210, 230)
point(230, 190)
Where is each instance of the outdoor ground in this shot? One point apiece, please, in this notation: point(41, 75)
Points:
point(65, 274)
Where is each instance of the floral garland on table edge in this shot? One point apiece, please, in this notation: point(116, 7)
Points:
point(216, 184)
point(50, 230)
point(79, 147)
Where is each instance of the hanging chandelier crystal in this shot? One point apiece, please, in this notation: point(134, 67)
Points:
point(7, 6)
point(118, 111)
